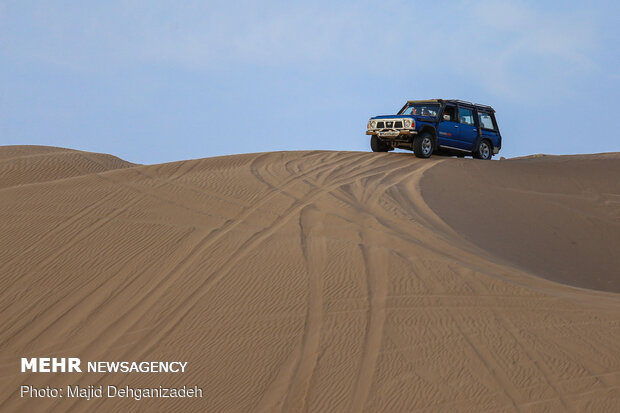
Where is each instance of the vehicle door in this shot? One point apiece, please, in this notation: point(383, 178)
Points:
point(468, 130)
point(488, 127)
point(448, 128)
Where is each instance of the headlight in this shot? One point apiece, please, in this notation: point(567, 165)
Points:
point(407, 123)
point(373, 124)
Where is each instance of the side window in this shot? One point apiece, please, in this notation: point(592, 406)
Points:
point(486, 121)
point(466, 116)
point(449, 113)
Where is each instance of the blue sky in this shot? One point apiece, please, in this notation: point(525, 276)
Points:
point(157, 81)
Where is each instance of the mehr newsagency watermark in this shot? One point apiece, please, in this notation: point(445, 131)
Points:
point(90, 392)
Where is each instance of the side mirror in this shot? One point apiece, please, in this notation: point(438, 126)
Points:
point(446, 117)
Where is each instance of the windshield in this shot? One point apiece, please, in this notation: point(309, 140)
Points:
point(421, 109)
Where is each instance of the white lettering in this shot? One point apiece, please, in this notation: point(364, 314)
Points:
point(39, 392)
point(51, 365)
point(44, 364)
point(29, 365)
point(74, 365)
point(58, 365)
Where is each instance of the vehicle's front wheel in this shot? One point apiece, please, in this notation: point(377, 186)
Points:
point(377, 145)
point(423, 145)
point(484, 150)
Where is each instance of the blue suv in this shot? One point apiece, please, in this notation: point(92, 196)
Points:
point(442, 126)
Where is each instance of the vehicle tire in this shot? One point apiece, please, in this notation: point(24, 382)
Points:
point(484, 150)
point(423, 145)
point(377, 145)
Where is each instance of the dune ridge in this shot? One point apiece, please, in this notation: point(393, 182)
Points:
point(296, 281)
point(20, 165)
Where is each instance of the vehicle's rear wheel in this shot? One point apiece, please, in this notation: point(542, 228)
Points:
point(484, 150)
point(377, 145)
point(423, 145)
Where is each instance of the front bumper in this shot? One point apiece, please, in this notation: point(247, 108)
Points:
point(391, 133)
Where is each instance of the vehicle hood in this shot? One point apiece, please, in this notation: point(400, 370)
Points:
point(415, 117)
point(392, 117)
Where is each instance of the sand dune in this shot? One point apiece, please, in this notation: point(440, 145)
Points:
point(34, 164)
point(557, 216)
point(316, 281)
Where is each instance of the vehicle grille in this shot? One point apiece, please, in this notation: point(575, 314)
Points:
point(390, 124)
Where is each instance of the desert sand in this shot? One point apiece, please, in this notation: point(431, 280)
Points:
point(315, 281)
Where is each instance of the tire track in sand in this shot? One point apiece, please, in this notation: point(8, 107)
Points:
point(377, 284)
point(314, 248)
point(377, 287)
point(288, 391)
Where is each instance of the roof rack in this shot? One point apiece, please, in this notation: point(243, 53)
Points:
point(425, 101)
point(459, 101)
point(463, 102)
point(470, 103)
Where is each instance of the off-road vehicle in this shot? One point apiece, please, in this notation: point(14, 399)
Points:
point(451, 127)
